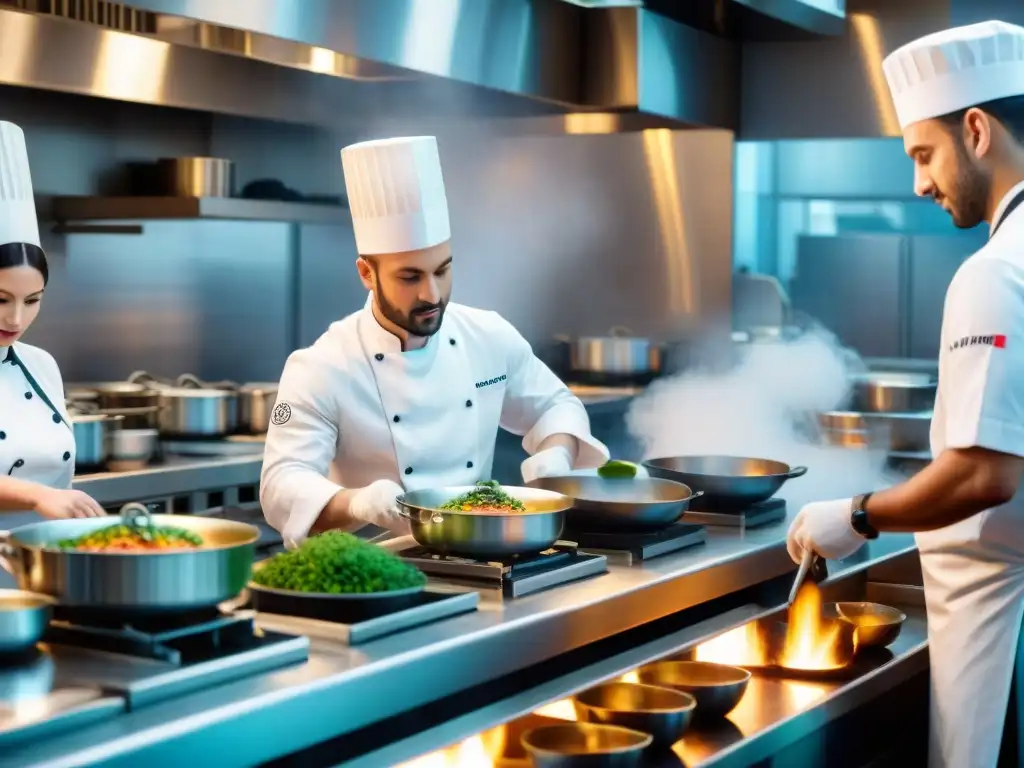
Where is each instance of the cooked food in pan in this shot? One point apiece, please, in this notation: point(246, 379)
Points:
point(125, 538)
point(485, 497)
point(336, 563)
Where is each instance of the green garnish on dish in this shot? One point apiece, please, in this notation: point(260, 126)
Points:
point(336, 563)
point(485, 497)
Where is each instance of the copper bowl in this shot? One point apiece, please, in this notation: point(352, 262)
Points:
point(716, 687)
point(585, 745)
point(664, 713)
point(877, 625)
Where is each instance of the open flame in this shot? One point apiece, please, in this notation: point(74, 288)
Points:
point(481, 751)
point(811, 641)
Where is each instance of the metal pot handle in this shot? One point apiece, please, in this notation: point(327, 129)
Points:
point(141, 377)
point(191, 381)
point(695, 495)
point(435, 516)
point(796, 472)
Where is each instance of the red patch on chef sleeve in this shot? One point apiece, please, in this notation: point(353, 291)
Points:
point(999, 341)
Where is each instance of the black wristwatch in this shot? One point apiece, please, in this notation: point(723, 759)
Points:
point(859, 518)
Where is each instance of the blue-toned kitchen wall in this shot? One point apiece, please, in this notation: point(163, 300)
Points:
point(836, 220)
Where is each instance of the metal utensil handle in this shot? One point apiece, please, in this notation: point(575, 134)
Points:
point(695, 495)
point(138, 517)
point(801, 574)
point(796, 472)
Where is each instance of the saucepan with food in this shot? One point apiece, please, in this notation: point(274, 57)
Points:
point(485, 520)
point(140, 563)
point(335, 576)
point(618, 503)
point(729, 482)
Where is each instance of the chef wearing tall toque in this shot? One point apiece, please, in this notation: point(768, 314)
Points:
point(37, 446)
point(409, 391)
point(959, 96)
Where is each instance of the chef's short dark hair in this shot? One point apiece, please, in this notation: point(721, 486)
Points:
point(25, 255)
point(1008, 111)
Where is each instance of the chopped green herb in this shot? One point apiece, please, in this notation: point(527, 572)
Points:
point(486, 495)
point(337, 563)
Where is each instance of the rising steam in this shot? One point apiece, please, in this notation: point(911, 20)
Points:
point(765, 407)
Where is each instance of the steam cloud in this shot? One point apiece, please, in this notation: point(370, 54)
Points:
point(765, 407)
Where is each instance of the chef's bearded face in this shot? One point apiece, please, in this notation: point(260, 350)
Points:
point(951, 168)
point(412, 288)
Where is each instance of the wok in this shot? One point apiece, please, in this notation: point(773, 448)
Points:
point(140, 582)
point(629, 504)
point(727, 481)
point(484, 535)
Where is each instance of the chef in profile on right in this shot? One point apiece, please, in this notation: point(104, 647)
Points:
point(959, 97)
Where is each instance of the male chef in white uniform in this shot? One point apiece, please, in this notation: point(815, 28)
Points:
point(409, 391)
point(959, 96)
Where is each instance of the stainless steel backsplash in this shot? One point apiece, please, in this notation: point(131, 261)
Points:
point(561, 234)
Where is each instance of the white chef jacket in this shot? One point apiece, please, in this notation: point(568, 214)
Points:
point(36, 440)
point(974, 569)
point(354, 408)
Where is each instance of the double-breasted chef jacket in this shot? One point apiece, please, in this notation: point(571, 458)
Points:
point(36, 439)
point(355, 408)
point(974, 569)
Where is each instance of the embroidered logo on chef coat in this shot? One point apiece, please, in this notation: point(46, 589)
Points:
point(490, 382)
point(281, 413)
point(997, 341)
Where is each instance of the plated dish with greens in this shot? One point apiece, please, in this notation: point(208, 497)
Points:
point(336, 563)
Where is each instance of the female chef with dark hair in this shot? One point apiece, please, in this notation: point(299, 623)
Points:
point(37, 446)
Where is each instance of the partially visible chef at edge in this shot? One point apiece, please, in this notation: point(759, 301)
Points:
point(959, 96)
point(409, 391)
point(37, 445)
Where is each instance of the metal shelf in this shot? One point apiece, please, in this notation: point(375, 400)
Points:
point(84, 209)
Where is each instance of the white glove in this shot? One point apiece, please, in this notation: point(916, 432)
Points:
point(551, 462)
point(377, 504)
point(825, 528)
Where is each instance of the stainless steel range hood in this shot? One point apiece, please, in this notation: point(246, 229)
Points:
point(314, 61)
point(823, 17)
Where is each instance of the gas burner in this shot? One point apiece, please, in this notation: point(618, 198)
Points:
point(515, 577)
point(148, 658)
point(173, 638)
point(754, 516)
point(635, 547)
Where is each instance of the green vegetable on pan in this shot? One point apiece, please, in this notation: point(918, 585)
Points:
point(486, 496)
point(337, 563)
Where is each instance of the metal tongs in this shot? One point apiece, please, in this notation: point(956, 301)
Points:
point(811, 565)
point(138, 517)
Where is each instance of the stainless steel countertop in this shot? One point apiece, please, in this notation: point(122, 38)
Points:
point(341, 689)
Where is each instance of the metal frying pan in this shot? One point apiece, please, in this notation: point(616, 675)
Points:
point(727, 481)
point(626, 504)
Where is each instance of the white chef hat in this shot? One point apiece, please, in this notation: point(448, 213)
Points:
point(396, 194)
point(955, 69)
point(18, 222)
